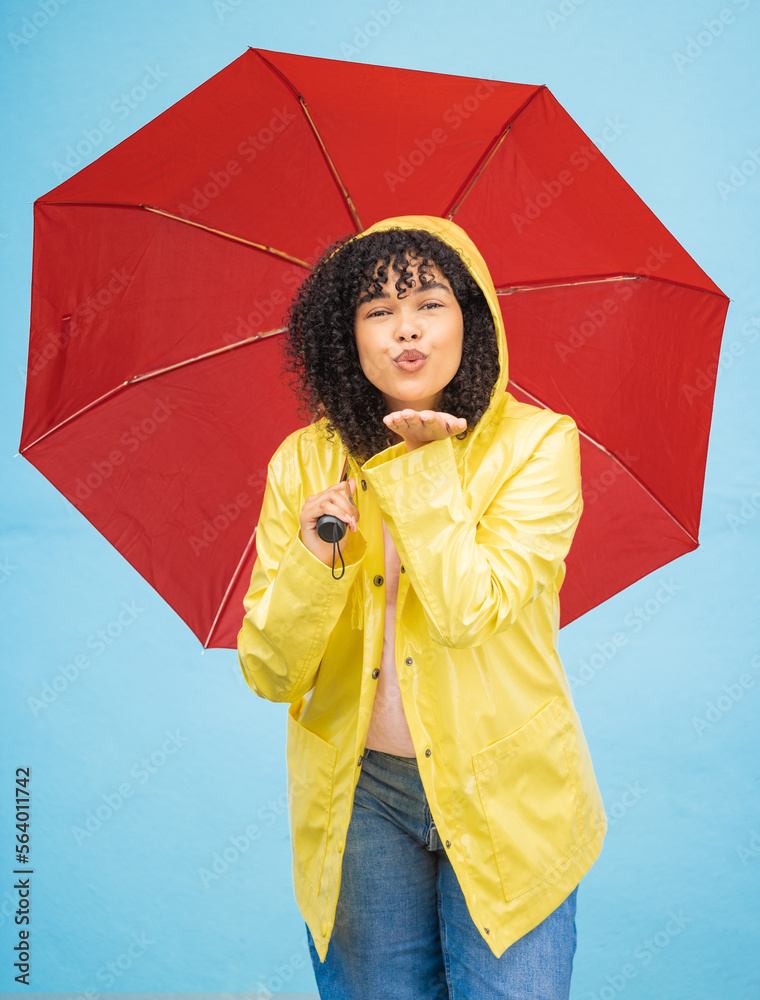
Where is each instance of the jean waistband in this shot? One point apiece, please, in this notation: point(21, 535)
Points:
point(412, 761)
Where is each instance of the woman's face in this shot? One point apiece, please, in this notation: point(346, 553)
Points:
point(426, 321)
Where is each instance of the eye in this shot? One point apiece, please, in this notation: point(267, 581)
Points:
point(376, 312)
point(433, 305)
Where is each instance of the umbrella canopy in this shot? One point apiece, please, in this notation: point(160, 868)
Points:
point(162, 272)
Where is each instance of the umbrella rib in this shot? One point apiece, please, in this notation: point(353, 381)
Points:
point(147, 375)
point(229, 236)
point(318, 137)
point(487, 156)
point(180, 218)
point(202, 357)
point(84, 409)
point(230, 587)
point(622, 464)
point(567, 282)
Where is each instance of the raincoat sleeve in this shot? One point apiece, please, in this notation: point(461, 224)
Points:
point(293, 602)
point(473, 577)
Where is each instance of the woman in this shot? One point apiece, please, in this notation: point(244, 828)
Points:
point(443, 805)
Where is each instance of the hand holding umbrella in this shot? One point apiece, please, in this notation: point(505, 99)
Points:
point(324, 517)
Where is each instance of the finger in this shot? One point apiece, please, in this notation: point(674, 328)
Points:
point(395, 417)
point(332, 501)
point(346, 488)
point(404, 415)
point(351, 493)
point(450, 416)
point(351, 508)
point(453, 423)
point(337, 507)
point(398, 422)
point(350, 485)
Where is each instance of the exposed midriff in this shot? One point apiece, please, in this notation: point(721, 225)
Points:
point(388, 728)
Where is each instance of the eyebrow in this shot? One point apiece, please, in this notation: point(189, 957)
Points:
point(368, 297)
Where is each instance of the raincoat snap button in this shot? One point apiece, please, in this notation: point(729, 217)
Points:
point(324, 930)
point(378, 581)
point(408, 661)
point(428, 752)
point(340, 847)
point(364, 484)
point(448, 843)
point(375, 673)
point(487, 930)
point(403, 570)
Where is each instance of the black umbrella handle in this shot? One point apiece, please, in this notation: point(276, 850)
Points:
point(332, 529)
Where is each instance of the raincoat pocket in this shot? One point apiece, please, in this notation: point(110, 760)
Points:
point(527, 787)
point(311, 768)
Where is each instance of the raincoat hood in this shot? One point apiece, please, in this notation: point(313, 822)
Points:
point(455, 237)
point(458, 240)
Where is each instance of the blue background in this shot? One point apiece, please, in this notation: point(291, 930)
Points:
point(670, 908)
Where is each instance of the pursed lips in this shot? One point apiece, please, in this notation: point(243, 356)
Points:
point(410, 361)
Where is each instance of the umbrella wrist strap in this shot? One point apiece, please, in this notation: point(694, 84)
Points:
point(336, 546)
point(343, 476)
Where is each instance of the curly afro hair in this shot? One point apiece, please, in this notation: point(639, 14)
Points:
point(321, 359)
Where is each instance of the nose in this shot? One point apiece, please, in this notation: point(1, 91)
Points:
point(408, 327)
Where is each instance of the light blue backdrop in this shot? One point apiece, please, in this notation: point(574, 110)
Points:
point(170, 748)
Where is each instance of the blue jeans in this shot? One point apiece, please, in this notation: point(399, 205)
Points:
point(402, 928)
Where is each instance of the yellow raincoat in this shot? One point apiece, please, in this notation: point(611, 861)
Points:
point(482, 527)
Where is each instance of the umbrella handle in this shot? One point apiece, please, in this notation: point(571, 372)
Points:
point(330, 528)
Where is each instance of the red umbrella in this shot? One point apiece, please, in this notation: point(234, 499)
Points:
point(162, 271)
